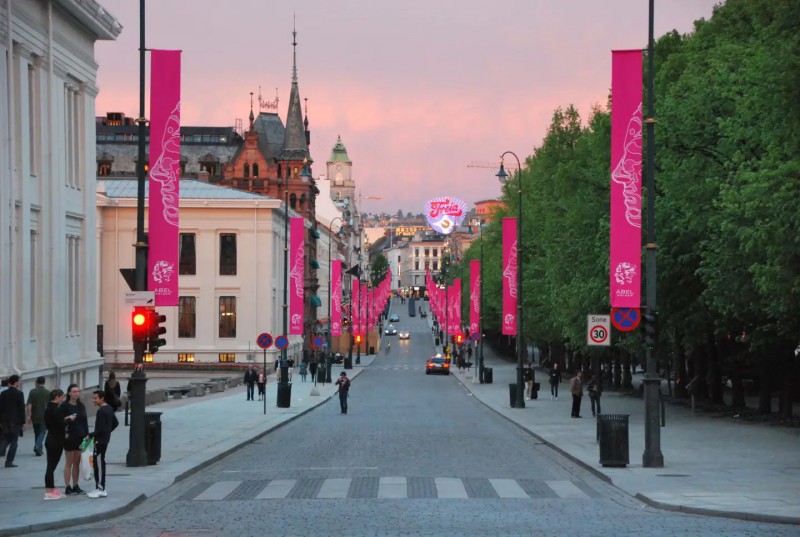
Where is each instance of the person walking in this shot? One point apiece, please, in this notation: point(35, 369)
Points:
point(113, 392)
point(38, 398)
point(555, 380)
point(344, 389)
point(54, 443)
point(104, 424)
point(576, 388)
point(312, 368)
point(527, 375)
point(77, 429)
point(595, 391)
point(12, 419)
point(303, 371)
point(250, 378)
point(261, 380)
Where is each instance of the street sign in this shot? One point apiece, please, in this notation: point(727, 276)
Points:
point(264, 340)
point(281, 342)
point(317, 341)
point(598, 330)
point(625, 319)
point(140, 298)
point(475, 336)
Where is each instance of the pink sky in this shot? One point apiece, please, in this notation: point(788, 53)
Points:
point(417, 89)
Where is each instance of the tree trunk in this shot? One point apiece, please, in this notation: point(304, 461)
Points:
point(627, 378)
point(788, 374)
point(714, 371)
point(765, 386)
point(679, 365)
point(617, 371)
point(737, 386)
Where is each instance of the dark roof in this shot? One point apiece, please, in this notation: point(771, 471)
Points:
point(270, 134)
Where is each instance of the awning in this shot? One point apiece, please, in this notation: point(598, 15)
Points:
point(314, 263)
point(316, 301)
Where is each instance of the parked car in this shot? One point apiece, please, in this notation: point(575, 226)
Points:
point(394, 318)
point(390, 330)
point(423, 314)
point(437, 365)
point(404, 335)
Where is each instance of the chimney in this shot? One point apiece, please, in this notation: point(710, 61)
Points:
point(202, 176)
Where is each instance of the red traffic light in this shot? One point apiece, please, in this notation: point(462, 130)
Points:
point(139, 318)
point(358, 338)
point(459, 339)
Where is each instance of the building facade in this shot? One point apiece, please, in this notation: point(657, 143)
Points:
point(48, 257)
point(425, 252)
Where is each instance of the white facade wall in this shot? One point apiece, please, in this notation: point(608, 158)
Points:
point(47, 189)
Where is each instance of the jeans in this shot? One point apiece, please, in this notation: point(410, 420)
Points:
point(251, 387)
point(554, 389)
point(595, 399)
point(9, 444)
point(343, 402)
point(100, 465)
point(576, 405)
point(39, 432)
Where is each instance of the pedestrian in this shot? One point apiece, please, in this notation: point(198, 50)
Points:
point(576, 388)
point(261, 380)
point(595, 391)
point(303, 371)
point(555, 380)
point(54, 443)
point(113, 392)
point(344, 389)
point(527, 375)
point(12, 418)
point(77, 429)
point(250, 378)
point(104, 424)
point(38, 398)
point(312, 368)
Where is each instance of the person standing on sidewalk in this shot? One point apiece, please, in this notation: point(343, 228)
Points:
point(38, 398)
point(303, 371)
point(527, 375)
point(555, 380)
point(77, 429)
point(12, 419)
point(113, 392)
point(595, 390)
point(104, 423)
point(250, 378)
point(576, 388)
point(344, 389)
point(54, 443)
point(261, 380)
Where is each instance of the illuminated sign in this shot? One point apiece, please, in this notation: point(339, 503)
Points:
point(444, 213)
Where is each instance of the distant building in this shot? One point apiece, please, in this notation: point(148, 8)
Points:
point(485, 209)
point(425, 252)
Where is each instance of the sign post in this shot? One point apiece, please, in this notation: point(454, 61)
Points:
point(598, 330)
point(264, 340)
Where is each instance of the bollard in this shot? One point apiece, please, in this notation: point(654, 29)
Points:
point(663, 413)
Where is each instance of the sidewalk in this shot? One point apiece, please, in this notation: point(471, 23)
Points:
point(195, 433)
point(711, 466)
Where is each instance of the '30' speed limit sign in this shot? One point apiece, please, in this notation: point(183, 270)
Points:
point(598, 330)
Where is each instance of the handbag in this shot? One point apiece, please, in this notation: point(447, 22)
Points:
point(87, 460)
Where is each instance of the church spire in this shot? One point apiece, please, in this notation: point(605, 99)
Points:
point(295, 144)
point(294, 52)
point(252, 117)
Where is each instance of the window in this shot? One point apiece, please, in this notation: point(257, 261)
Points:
point(104, 168)
point(416, 265)
point(227, 254)
point(187, 317)
point(33, 119)
point(73, 285)
point(416, 252)
point(246, 170)
point(188, 259)
point(435, 265)
point(227, 357)
point(186, 357)
point(227, 316)
point(427, 252)
point(435, 252)
point(427, 264)
point(293, 201)
point(398, 258)
point(255, 170)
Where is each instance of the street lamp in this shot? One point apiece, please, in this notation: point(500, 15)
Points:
point(503, 176)
point(480, 311)
point(330, 297)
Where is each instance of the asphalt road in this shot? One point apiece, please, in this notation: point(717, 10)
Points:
point(415, 455)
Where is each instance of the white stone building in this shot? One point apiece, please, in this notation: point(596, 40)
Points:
point(48, 259)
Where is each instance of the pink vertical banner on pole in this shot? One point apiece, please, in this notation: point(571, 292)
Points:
point(336, 298)
point(164, 176)
point(509, 321)
point(362, 312)
point(474, 296)
point(457, 306)
point(355, 321)
point(626, 178)
point(296, 274)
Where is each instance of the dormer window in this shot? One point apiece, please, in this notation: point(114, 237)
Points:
point(255, 170)
point(246, 170)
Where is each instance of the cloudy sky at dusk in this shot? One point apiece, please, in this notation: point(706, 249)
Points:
point(417, 89)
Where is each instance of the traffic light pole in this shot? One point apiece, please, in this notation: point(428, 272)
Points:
point(137, 455)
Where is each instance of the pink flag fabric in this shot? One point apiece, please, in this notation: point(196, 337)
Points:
point(457, 306)
point(626, 178)
point(296, 274)
point(336, 298)
point(164, 177)
point(355, 321)
point(509, 321)
point(474, 296)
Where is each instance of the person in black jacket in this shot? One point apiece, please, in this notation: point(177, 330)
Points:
point(77, 429)
point(555, 380)
point(55, 421)
point(12, 419)
point(104, 423)
point(250, 378)
point(113, 392)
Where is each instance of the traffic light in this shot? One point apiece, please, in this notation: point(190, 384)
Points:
point(650, 329)
point(459, 339)
point(358, 339)
point(155, 331)
point(139, 325)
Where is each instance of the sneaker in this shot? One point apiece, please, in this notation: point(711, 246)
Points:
point(68, 491)
point(78, 490)
point(98, 493)
point(53, 494)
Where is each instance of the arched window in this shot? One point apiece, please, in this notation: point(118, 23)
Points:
point(293, 201)
point(246, 170)
point(303, 200)
point(255, 170)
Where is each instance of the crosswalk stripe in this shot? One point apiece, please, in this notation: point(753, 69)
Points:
point(335, 487)
point(393, 487)
point(219, 490)
point(567, 490)
point(450, 487)
point(508, 488)
point(277, 489)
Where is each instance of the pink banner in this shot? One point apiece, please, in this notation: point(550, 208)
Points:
point(474, 296)
point(457, 306)
point(355, 318)
point(336, 298)
point(626, 178)
point(362, 313)
point(165, 173)
point(296, 274)
point(451, 314)
point(509, 324)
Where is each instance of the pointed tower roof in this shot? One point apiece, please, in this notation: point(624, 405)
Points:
point(339, 152)
point(295, 146)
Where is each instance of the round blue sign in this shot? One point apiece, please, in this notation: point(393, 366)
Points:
point(475, 336)
point(625, 319)
point(264, 340)
point(281, 342)
point(317, 341)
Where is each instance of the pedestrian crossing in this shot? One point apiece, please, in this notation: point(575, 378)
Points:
point(390, 488)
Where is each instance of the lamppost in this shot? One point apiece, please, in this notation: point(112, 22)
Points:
point(503, 176)
point(330, 298)
point(480, 312)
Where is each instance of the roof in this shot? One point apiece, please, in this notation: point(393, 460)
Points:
point(189, 189)
point(270, 134)
point(339, 152)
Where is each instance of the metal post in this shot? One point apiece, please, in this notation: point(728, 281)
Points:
point(652, 456)
point(284, 365)
point(330, 289)
point(368, 310)
point(480, 316)
point(137, 454)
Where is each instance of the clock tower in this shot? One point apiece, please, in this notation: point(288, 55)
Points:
point(340, 170)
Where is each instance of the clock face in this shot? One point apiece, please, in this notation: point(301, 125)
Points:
point(338, 167)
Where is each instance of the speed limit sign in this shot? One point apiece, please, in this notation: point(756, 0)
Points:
point(598, 330)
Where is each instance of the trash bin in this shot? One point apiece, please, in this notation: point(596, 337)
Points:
point(152, 437)
point(321, 374)
point(371, 350)
point(512, 395)
point(613, 435)
point(487, 375)
point(284, 395)
point(438, 342)
point(348, 363)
